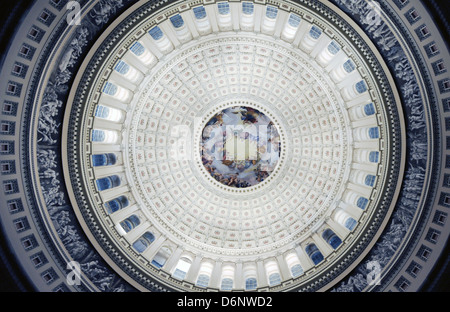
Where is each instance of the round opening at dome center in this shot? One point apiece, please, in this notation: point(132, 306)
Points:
point(240, 147)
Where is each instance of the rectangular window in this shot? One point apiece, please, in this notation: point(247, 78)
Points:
point(440, 217)
point(27, 51)
point(14, 206)
point(8, 167)
point(29, 242)
point(38, 259)
point(414, 269)
point(424, 253)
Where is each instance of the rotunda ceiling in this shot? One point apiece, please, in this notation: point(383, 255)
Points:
point(227, 145)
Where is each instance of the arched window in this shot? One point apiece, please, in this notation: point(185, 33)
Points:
point(344, 219)
point(224, 8)
point(143, 242)
point(314, 253)
point(247, 8)
point(156, 33)
point(349, 66)
point(227, 284)
point(130, 223)
point(161, 257)
point(137, 48)
point(108, 113)
point(142, 54)
point(315, 32)
point(293, 263)
point(177, 21)
point(110, 89)
point(374, 156)
point(370, 180)
point(98, 135)
point(108, 182)
point(108, 159)
point(122, 67)
point(350, 223)
point(273, 273)
point(333, 47)
point(116, 204)
point(331, 238)
point(250, 283)
point(362, 202)
point(271, 12)
point(199, 12)
point(294, 20)
point(369, 109)
point(296, 270)
point(374, 133)
point(116, 91)
point(361, 87)
point(204, 274)
point(127, 71)
point(183, 266)
point(227, 278)
point(202, 280)
point(274, 279)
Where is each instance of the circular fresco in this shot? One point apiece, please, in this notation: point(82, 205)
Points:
point(240, 147)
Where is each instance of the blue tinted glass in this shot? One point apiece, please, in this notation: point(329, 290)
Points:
point(361, 86)
point(199, 12)
point(314, 253)
point(224, 8)
point(370, 180)
point(227, 284)
point(122, 67)
point(294, 20)
point(98, 135)
point(374, 133)
point(317, 257)
point(362, 202)
point(177, 21)
point(102, 111)
point(143, 242)
point(104, 159)
point(137, 49)
point(130, 223)
point(271, 12)
point(296, 270)
point(369, 109)
point(374, 156)
point(333, 48)
point(157, 264)
point(274, 279)
point(156, 33)
point(108, 182)
point(99, 160)
point(116, 204)
point(331, 238)
point(247, 8)
point(250, 283)
point(315, 32)
point(203, 280)
point(110, 88)
point(349, 66)
point(350, 223)
point(179, 274)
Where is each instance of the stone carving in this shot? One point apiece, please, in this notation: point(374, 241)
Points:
point(49, 126)
point(104, 9)
point(396, 59)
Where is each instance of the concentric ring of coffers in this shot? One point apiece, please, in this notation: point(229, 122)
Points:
point(161, 207)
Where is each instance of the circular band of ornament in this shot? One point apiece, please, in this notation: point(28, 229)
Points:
point(131, 195)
